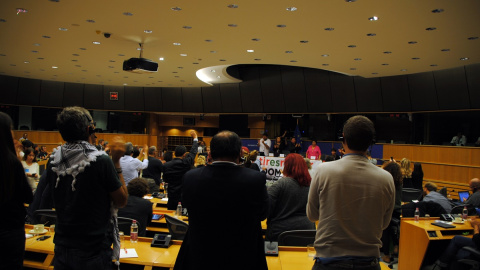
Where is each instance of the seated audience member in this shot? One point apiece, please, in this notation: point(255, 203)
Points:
point(200, 161)
point(334, 154)
point(288, 199)
point(406, 172)
point(453, 250)
point(293, 146)
point(99, 146)
point(130, 165)
point(388, 234)
point(314, 151)
point(474, 199)
point(23, 138)
point(137, 207)
point(43, 154)
point(252, 162)
point(431, 194)
point(31, 167)
point(459, 140)
point(417, 176)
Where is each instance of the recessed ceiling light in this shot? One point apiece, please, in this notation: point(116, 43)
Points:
point(232, 6)
point(120, 54)
point(472, 38)
point(222, 60)
point(232, 25)
point(464, 58)
point(78, 65)
point(84, 70)
point(54, 67)
point(352, 46)
point(96, 42)
point(36, 44)
point(26, 62)
point(111, 66)
point(148, 31)
point(3, 20)
point(412, 42)
point(40, 58)
point(350, 1)
point(13, 65)
point(35, 51)
point(293, 61)
point(445, 50)
point(112, 61)
point(430, 28)
point(139, 49)
point(371, 34)
point(177, 43)
point(288, 51)
point(384, 64)
point(291, 8)
point(128, 14)
point(176, 8)
point(161, 58)
point(208, 40)
point(56, 1)
point(218, 77)
point(353, 69)
point(186, 27)
point(303, 41)
point(21, 10)
point(374, 73)
point(387, 52)
point(74, 60)
point(1, 54)
point(195, 63)
point(125, 84)
point(213, 51)
point(83, 49)
point(433, 65)
point(29, 72)
point(281, 25)
point(255, 39)
point(62, 29)
point(250, 51)
point(329, 29)
point(374, 18)
point(180, 67)
point(325, 55)
point(183, 54)
point(357, 59)
point(91, 21)
point(403, 70)
point(415, 58)
point(46, 36)
point(213, 70)
point(257, 59)
point(325, 65)
point(438, 10)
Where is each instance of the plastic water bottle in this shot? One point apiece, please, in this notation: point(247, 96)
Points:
point(417, 215)
point(465, 213)
point(179, 210)
point(134, 232)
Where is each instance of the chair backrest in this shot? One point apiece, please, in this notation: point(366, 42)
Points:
point(45, 216)
point(176, 227)
point(459, 209)
point(124, 224)
point(409, 194)
point(443, 191)
point(299, 238)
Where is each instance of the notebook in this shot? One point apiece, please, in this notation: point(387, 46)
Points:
point(463, 195)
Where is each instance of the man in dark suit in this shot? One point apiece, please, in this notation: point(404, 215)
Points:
point(174, 170)
point(226, 204)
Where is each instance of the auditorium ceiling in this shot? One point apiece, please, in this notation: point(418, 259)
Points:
point(194, 41)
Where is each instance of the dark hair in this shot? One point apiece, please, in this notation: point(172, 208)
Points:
point(137, 187)
point(27, 144)
point(9, 158)
point(394, 169)
point(359, 133)
point(151, 150)
point(136, 152)
point(180, 150)
point(72, 123)
point(329, 158)
point(431, 186)
point(168, 156)
point(417, 170)
point(128, 148)
point(296, 168)
point(333, 149)
point(27, 152)
point(225, 144)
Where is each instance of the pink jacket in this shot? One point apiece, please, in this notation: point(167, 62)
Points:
point(314, 152)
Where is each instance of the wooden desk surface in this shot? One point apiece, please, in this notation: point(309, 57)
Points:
point(45, 247)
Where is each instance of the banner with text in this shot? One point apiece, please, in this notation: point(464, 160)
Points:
point(273, 166)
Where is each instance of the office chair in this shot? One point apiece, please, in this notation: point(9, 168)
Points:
point(473, 261)
point(124, 225)
point(45, 216)
point(176, 227)
point(443, 191)
point(299, 238)
point(459, 209)
point(409, 194)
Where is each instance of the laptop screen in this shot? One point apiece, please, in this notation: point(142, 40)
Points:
point(463, 195)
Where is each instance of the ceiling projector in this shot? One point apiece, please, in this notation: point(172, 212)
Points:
point(140, 65)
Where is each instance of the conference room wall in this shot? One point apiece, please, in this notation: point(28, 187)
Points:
point(267, 89)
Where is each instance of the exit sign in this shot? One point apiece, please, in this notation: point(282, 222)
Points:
point(113, 95)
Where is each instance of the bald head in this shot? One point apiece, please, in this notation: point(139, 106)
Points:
point(474, 184)
point(226, 145)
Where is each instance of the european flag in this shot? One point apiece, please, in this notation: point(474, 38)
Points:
point(297, 135)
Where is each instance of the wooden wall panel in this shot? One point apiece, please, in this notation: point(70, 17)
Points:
point(8, 89)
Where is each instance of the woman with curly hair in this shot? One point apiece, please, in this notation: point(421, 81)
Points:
point(251, 161)
point(288, 199)
point(406, 172)
point(138, 208)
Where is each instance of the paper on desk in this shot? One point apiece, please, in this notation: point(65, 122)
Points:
point(148, 197)
point(27, 235)
point(165, 199)
point(131, 253)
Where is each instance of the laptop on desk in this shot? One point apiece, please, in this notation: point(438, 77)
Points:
point(463, 196)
